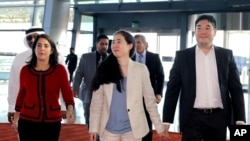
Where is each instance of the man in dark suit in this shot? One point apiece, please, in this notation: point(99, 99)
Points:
point(206, 79)
point(71, 61)
point(154, 65)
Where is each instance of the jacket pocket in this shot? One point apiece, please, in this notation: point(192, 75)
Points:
point(29, 106)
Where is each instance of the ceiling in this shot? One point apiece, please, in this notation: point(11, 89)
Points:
point(22, 10)
point(192, 6)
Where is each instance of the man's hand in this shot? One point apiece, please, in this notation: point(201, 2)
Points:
point(158, 98)
point(240, 123)
point(10, 117)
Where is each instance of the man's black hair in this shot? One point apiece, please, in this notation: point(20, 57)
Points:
point(209, 18)
point(101, 36)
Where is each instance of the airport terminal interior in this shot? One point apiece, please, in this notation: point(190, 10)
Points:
point(168, 26)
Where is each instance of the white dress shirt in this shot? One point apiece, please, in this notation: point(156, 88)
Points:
point(207, 82)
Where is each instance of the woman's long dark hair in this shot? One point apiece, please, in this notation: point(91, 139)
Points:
point(109, 70)
point(53, 59)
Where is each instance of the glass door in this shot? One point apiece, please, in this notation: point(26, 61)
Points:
point(239, 43)
point(168, 44)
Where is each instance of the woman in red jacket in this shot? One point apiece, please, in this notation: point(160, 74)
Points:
point(38, 114)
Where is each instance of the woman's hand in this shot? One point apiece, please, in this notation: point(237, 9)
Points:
point(15, 126)
point(70, 116)
point(93, 136)
point(165, 133)
point(15, 121)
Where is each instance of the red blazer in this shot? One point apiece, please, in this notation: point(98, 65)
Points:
point(38, 94)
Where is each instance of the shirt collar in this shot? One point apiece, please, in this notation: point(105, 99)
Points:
point(197, 49)
point(143, 54)
point(98, 54)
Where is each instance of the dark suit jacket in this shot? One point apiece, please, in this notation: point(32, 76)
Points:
point(83, 76)
point(182, 83)
point(156, 72)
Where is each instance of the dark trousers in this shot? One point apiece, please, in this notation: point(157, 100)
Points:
point(86, 108)
point(204, 126)
point(34, 131)
point(149, 135)
point(71, 72)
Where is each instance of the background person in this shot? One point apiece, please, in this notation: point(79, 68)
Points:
point(71, 61)
point(156, 74)
point(85, 73)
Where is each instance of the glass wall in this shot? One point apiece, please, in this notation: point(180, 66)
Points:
point(15, 18)
point(85, 41)
point(239, 43)
point(118, 1)
point(65, 49)
point(241, 52)
point(168, 45)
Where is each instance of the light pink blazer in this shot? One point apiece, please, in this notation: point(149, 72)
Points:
point(138, 86)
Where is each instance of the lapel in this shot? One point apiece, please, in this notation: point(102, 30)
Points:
point(109, 87)
point(109, 92)
point(130, 87)
point(219, 60)
point(93, 57)
point(147, 55)
point(191, 59)
point(188, 61)
point(130, 77)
